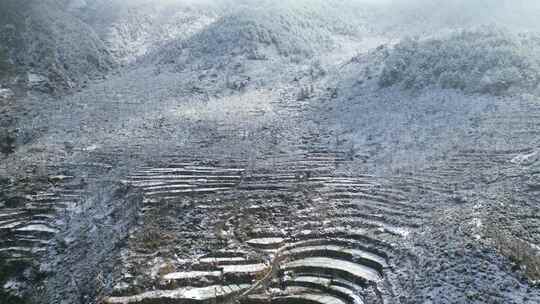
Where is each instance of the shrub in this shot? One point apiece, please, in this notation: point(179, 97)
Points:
point(5, 67)
point(8, 271)
point(7, 142)
point(507, 234)
point(152, 238)
point(480, 61)
point(520, 252)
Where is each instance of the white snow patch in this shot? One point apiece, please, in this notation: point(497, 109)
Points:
point(27, 249)
point(399, 231)
point(187, 293)
point(91, 148)
point(38, 228)
point(237, 109)
point(10, 226)
point(191, 275)
point(353, 252)
point(526, 159)
point(6, 93)
point(221, 260)
point(9, 214)
point(60, 177)
point(121, 286)
point(36, 79)
point(188, 191)
point(266, 241)
point(357, 270)
point(243, 268)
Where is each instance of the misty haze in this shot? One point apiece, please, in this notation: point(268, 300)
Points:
point(269, 151)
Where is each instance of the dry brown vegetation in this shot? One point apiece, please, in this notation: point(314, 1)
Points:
point(151, 237)
point(524, 255)
point(511, 239)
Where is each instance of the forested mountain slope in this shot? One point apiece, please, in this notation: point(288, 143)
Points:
point(47, 47)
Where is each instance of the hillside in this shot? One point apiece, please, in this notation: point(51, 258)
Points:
point(132, 30)
point(45, 43)
point(482, 61)
point(239, 151)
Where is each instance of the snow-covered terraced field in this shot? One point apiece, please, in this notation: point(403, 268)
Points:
point(29, 223)
point(330, 239)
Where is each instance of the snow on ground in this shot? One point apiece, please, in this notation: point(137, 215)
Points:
point(354, 269)
point(221, 80)
point(199, 294)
